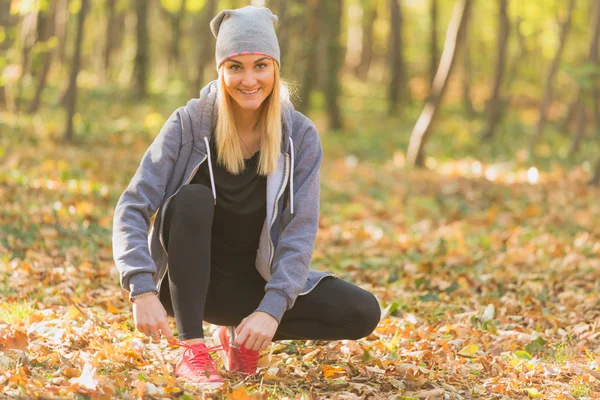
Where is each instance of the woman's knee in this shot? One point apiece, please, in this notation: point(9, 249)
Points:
point(194, 202)
point(366, 314)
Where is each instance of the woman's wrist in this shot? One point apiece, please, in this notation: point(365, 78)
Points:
point(145, 294)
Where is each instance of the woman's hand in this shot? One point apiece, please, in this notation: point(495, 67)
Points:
point(256, 331)
point(150, 318)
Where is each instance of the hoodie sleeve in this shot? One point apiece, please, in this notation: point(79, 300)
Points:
point(140, 200)
point(294, 250)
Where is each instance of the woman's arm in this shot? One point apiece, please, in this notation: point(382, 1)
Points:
point(140, 200)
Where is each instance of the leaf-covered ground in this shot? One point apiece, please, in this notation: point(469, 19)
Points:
point(488, 275)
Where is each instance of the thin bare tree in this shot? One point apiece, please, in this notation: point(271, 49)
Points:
point(369, 8)
point(62, 16)
point(313, 29)
point(496, 104)
point(109, 36)
point(433, 39)
point(594, 59)
point(27, 40)
point(593, 91)
point(570, 114)
point(397, 89)
point(175, 22)
point(565, 26)
point(596, 178)
point(141, 60)
point(423, 128)
point(205, 51)
point(467, 77)
point(6, 22)
point(333, 26)
point(283, 29)
point(521, 56)
point(71, 96)
point(46, 27)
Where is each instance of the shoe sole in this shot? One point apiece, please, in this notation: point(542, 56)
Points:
point(207, 385)
point(201, 385)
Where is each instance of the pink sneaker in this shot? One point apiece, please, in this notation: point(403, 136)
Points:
point(236, 359)
point(197, 366)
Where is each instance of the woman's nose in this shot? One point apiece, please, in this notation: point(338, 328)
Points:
point(249, 79)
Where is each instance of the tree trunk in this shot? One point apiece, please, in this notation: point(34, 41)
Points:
point(592, 59)
point(28, 36)
point(596, 178)
point(547, 97)
point(71, 97)
point(273, 5)
point(110, 37)
point(206, 44)
point(333, 22)
point(397, 87)
point(6, 22)
point(283, 29)
point(175, 22)
point(296, 24)
point(580, 131)
point(46, 24)
point(496, 104)
point(62, 16)
point(423, 128)
point(140, 70)
point(368, 24)
point(570, 114)
point(434, 57)
point(315, 10)
point(293, 23)
point(595, 29)
point(467, 76)
point(521, 57)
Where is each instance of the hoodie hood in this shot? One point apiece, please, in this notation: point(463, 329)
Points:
point(203, 115)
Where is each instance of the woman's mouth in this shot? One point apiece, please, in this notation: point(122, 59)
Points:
point(249, 93)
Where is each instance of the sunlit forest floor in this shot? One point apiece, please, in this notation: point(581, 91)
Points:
point(487, 265)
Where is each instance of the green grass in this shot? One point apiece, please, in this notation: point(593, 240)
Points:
point(15, 311)
point(581, 390)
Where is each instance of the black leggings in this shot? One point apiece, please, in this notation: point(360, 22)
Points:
point(195, 292)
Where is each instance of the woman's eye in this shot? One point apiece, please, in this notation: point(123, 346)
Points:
point(263, 66)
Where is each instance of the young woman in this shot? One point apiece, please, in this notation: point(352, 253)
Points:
point(234, 179)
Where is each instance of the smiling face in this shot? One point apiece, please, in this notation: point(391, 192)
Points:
point(249, 79)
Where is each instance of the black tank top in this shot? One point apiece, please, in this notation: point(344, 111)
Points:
point(239, 214)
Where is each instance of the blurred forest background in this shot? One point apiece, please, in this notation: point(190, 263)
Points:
point(459, 184)
point(513, 80)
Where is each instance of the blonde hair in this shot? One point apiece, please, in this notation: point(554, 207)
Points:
point(229, 149)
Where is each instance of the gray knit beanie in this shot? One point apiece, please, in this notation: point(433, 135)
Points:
point(247, 30)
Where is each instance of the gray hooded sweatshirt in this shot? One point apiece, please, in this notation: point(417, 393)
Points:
point(288, 235)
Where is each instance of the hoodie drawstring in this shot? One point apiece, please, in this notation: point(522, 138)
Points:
point(292, 178)
point(212, 179)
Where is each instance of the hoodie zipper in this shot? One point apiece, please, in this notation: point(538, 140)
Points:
point(162, 219)
point(275, 206)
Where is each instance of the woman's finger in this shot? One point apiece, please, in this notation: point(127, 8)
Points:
point(241, 337)
point(265, 344)
point(165, 330)
point(250, 341)
point(239, 328)
point(258, 345)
